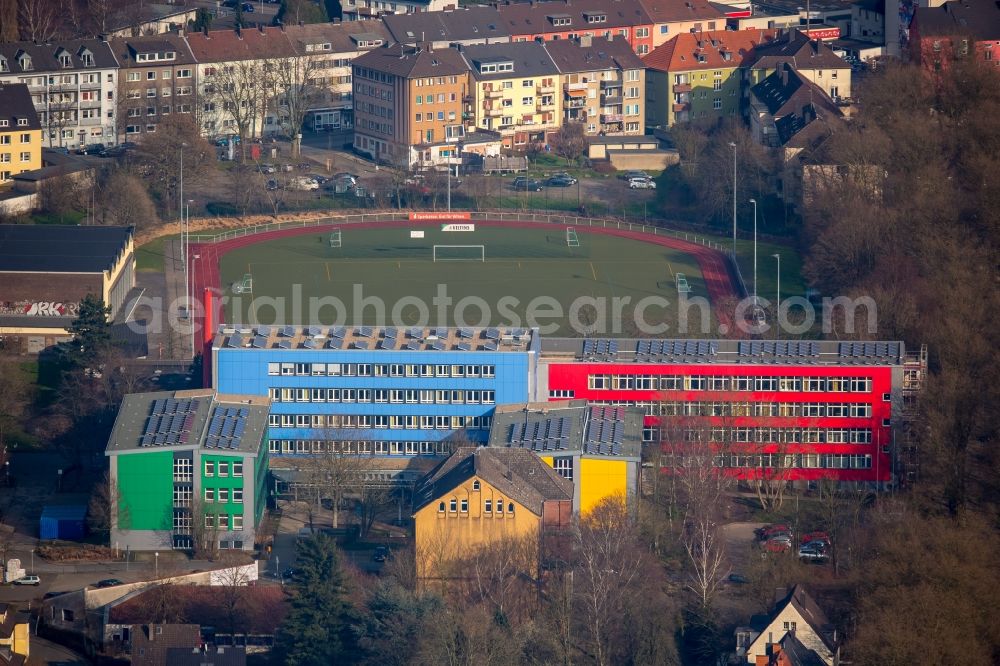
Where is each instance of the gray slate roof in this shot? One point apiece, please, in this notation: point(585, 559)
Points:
point(797, 49)
point(15, 104)
point(517, 473)
point(60, 249)
point(602, 54)
point(458, 25)
point(44, 57)
point(410, 62)
point(529, 58)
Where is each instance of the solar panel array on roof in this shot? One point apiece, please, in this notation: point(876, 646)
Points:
point(263, 330)
point(226, 427)
point(490, 346)
point(600, 347)
point(315, 331)
point(169, 422)
point(391, 332)
point(463, 346)
point(310, 344)
point(413, 345)
point(335, 343)
point(466, 333)
point(493, 334)
point(285, 344)
point(548, 434)
point(868, 350)
point(415, 333)
point(364, 332)
point(676, 348)
point(438, 345)
point(234, 341)
point(779, 348)
point(605, 431)
point(358, 344)
point(338, 332)
point(260, 342)
point(287, 331)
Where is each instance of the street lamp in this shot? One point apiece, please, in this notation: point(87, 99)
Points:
point(732, 145)
point(32, 561)
point(754, 202)
point(777, 306)
point(156, 565)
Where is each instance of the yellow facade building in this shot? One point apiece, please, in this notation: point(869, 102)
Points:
point(481, 498)
point(14, 635)
point(20, 132)
point(598, 449)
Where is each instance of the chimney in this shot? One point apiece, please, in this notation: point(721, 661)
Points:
point(784, 75)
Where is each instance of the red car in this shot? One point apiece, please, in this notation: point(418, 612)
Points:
point(768, 531)
point(779, 543)
point(816, 536)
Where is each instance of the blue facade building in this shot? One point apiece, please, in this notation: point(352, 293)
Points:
point(382, 391)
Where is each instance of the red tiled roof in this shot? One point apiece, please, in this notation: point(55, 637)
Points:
point(247, 44)
point(681, 53)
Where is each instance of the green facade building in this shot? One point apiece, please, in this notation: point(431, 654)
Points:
point(188, 467)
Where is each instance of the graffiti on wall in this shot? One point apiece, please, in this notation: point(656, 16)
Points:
point(38, 309)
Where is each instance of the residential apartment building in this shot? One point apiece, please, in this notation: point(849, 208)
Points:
point(868, 21)
point(187, 466)
point(812, 59)
point(599, 449)
point(547, 21)
point(157, 79)
point(479, 497)
point(359, 10)
point(408, 104)
point(674, 17)
point(514, 91)
point(803, 410)
point(953, 31)
point(699, 76)
point(796, 631)
point(238, 76)
point(464, 25)
point(785, 103)
point(325, 52)
point(603, 84)
point(73, 86)
point(20, 132)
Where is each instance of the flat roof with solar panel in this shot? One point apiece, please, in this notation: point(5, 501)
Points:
point(787, 352)
point(187, 420)
point(390, 338)
point(569, 428)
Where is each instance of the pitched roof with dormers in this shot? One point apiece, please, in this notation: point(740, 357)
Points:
point(797, 49)
point(411, 62)
point(126, 50)
point(716, 49)
point(517, 473)
point(570, 56)
point(319, 38)
point(15, 105)
point(46, 57)
point(466, 24)
point(530, 18)
point(235, 45)
point(679, 11)
point(527, 58)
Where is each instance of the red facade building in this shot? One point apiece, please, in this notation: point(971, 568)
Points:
point(565, 20)
point(955, 30)
point(806, 410)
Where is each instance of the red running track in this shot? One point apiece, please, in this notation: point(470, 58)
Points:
point(205, 272)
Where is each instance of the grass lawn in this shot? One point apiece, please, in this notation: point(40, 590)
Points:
point(521, 264)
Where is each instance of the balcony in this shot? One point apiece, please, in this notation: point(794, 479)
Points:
point(493, 93)
point(611, 83)
point(611, 118)
point(577, 103)
point(574, 86)
point(492, 113)
point(551, 104)
point(610, 100)
point(680, 107)
point(682, 87)
point(576, 116)
point(547, 88)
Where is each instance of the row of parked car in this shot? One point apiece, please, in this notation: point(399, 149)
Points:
point(338, 183)
point(779, 538)
point(523, 183)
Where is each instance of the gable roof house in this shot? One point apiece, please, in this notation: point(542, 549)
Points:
point(547, 21)
point(480, 496)
point(811, 58)
point(73, 86)
point(797, 615)
point(784, 104)
point(675, 17)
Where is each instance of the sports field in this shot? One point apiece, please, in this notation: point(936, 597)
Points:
point(521, 265)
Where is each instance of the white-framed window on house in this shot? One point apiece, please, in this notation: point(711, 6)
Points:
point(563, 467)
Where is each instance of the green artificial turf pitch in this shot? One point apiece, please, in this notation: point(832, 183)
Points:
point(521, 264)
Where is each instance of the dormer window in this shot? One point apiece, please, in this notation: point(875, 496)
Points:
point(595, 17)
point(65, 59)
point(494, 67)
point(560, 19)
point(24, 60)
point(22, 122)
point(86, 57)
point(4, 67)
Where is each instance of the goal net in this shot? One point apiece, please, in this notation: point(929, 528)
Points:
point(335, 239)
point(459, 253)
point(572, 240)
point(244, 286)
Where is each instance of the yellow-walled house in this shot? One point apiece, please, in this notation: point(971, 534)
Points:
point(20, 132)
point(484, 497)
point(14, 634)
point(598, 449)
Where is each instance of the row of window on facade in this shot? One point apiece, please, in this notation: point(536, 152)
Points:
point(738, 408)
point(461, 507)
point(380, 421)
point(184, 494)
point(398, 396)
point(184, 521)
point(184, 468)
point(379, 370)
point(725, 383)
point(774, 460)
point(759, 435)
point(363, 447)
point(165, 74)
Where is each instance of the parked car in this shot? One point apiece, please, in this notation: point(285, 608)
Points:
point(524, 183)
point(108, 582)
point(767, 530)
point(303, 184)
point(641, 184)
point(629, 175)
point(305, 166)
point(91, 149)
point(272, 185)
point(320, 180)
point(560, 181)
point(814, 551)
point(737, 579)
point(224, 141)
point(28, 580)
point(119, 150)
point(815, 536)
point(247, 7)
point(381, 554)
point(266, 168)
point(778, 543)
point(343, 175)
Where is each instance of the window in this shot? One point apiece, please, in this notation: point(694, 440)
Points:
point(488, 507)
point(238, 468)
point(183, 73)
point(499, 504)
point(223, 469)
point(475, 485)
point(440, 507)
point(564, 467)
point(224, 521)
point(716, 103)
point(238, 525)
point(210, 521)
point(238, 495)
point(224, 495)
point(209, 468)
point(209, 494)
point(510, 507)
point(465, 506)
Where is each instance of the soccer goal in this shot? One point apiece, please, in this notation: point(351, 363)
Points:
point(244, 286)
point(335, 240)
point(459, 253)
point(572, 240)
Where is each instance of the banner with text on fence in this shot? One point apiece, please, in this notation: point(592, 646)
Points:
point(440, 216)
point(458, 227)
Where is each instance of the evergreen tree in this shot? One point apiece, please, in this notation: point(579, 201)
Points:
point(319, 628)
point(91, 332)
